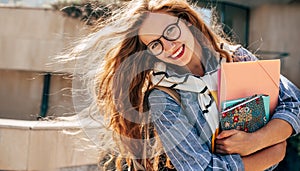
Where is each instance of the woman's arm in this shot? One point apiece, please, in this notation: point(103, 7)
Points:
point(188, 147)
point(266, 158)
point(284, 122)
point(235, 141)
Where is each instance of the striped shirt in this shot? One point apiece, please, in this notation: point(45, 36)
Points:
point(186, 136)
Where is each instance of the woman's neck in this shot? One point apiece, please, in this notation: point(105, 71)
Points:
point(195, 66)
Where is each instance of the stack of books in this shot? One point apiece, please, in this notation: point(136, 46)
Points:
point(248, 93)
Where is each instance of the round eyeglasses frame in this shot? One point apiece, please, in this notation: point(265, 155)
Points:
point(165, 37)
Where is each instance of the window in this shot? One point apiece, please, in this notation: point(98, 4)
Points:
point(234, 19)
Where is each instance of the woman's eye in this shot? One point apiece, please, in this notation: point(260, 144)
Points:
point(154, 45)
point(171, 30)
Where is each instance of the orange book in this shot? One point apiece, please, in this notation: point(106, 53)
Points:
point(243, 79)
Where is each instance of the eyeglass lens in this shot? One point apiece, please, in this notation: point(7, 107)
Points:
point(171, 33)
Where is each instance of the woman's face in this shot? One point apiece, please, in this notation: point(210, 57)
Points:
point(168, 38)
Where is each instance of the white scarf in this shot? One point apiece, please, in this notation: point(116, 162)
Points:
point(203, 86)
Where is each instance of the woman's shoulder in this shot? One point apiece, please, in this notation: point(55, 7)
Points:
point(242, 54)
point(159, 100)
point(172, 97)
point(158, 96)
point(165, 95)
point(238, 52)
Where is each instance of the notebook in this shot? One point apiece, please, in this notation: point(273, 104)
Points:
point(246, 114)
point(243, 79)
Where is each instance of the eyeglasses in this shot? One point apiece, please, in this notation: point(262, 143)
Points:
point(171, 33)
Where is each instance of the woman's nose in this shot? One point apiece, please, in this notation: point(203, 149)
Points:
point(168, 45)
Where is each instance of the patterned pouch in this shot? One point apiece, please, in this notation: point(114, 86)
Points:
point(246, 114)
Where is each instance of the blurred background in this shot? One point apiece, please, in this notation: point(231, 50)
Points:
point(33, 87)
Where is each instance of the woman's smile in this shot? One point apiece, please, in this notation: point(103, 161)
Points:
point(178, 53)
point(173, 41)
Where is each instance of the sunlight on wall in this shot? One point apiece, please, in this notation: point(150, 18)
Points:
point(27, 3)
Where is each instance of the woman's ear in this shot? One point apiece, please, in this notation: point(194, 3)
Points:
point(185, 19)
point(188, 24)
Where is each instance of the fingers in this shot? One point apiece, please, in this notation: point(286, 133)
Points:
point(222, 149)
point(222, 145)
point(227, 133)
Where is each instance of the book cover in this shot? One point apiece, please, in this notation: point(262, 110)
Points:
point(246, 114)
point(243, 79)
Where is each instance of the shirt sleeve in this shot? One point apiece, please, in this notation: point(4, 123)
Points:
point(289, 95)
point(243, 55)
point(182, 142)
point(288, 108)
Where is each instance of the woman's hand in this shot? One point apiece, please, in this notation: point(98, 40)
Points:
point(240, 142)
point(235, 141)
point(265, 158)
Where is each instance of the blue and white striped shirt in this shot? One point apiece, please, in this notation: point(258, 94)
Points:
point(186, 136)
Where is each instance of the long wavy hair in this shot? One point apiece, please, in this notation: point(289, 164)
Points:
point(122, 76)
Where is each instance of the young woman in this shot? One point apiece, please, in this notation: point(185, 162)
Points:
point(165, 43)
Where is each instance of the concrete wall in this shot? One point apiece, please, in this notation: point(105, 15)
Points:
point(276, 28)
point(29, 40)
point(21, 94)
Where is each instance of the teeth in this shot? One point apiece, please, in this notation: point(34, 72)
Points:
point(177, 53)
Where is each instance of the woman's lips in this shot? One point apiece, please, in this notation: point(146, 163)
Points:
point(178, 53)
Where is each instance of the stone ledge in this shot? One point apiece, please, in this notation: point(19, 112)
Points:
point(44, 145)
